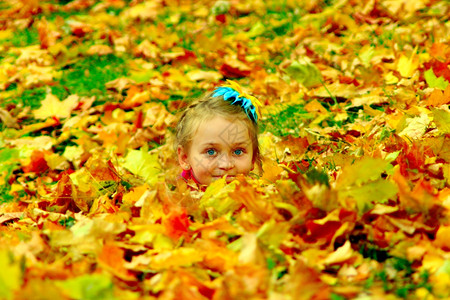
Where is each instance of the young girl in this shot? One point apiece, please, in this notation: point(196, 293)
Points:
point(217, 136)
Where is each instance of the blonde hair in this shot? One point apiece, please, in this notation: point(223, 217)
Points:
point(207, 108)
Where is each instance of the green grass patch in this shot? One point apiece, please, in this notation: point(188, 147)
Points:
point(87, 76)
point(8, 163)
point(23, 38)
point(286, 120)
point(403, 284)
point(64, 14)
point(67, 222)
point(30, 97)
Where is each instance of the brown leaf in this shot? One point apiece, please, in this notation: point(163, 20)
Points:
point(47, 36)
point(7, 119)
point(234, 68)
point(5, 217)
point(80, 29)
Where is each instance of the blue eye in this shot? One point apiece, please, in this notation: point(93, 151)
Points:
point(211, 152)
point(238, 152)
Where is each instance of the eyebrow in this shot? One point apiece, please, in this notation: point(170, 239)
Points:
point(241, 143)
point(212, 144)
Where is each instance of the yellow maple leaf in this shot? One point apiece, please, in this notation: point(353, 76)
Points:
point(415, 127)
point(200, 75)
point(51, 106)
point(407, 66)
point(341, 255)
point(175, 258)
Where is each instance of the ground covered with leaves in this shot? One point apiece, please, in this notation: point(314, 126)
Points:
point(354, 199)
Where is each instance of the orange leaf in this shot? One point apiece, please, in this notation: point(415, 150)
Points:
point(315, 106)
point(112, 259)
point(101, 170)
point(440, 51)
point(418, 199)
point(304, 276)
point(442, 240)
point(99, 50)
point(42, 27)
point(177, 223)
point(248, 196)
point(135, 97)
point(438, 98)
point(64, 195)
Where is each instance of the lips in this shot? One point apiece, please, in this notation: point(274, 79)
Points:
point(228, 178)
point(220, 176)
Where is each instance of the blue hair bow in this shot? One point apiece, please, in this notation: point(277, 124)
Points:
point(237, 97)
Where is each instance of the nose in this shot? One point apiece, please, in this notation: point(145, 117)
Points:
point(225, 162)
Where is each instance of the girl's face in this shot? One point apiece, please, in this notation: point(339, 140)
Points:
point(219, 147)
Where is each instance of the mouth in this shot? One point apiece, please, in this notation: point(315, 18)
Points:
point(228, 178)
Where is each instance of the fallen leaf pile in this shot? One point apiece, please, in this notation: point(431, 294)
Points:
point(354, 199)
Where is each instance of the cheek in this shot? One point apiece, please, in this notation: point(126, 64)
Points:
point(202, 164)
point(246, 165)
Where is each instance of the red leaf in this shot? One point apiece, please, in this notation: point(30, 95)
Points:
point(177, 224)
point(319, 231)
point(348, 80)
point(139, 120)
point(221, 18)
point(233, 72)
point(441, 69)
point(38, 163)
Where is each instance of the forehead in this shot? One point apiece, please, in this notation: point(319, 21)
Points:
point(222, 130)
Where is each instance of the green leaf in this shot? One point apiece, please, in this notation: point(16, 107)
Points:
point(435, 82)
point(90, 286)
point(8, 159)
point(305, 72)
point(337, 297)
point(368, 194)
point(445, 268)
point(220, 7)
point(270, 263)
point(362, 171)
point(8, 162)
point(392, 156)
point(442, 120)
point(256, 30)
point(142, 75)
point(318, 176)
point(144, 164)
point(366, 55)
point(272, 233)
point(362, 181)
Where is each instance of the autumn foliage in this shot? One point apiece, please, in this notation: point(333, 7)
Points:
point(354, 199)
